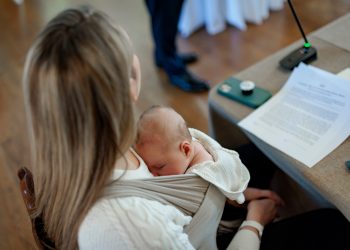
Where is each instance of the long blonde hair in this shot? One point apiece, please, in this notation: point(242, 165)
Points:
point(80, 115)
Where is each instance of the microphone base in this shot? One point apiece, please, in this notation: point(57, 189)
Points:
point(305, 55)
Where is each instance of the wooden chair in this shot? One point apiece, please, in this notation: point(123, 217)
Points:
point(27, 190)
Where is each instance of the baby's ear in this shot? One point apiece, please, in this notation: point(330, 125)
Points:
point(186, 148)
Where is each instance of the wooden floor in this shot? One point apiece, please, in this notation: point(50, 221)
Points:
point(220, 56)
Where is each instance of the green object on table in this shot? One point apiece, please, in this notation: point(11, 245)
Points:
point(307, 45)
point(230, 88)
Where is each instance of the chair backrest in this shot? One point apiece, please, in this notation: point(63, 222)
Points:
point(26, 184)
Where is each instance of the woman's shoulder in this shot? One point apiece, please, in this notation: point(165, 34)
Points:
point(112, 223)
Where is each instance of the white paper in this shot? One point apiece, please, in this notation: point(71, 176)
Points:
point(345, 73)
point(308, 118)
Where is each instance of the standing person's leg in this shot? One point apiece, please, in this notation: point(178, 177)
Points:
point(164, 20)
point(320, 229)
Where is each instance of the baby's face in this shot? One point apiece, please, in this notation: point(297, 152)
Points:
point(161, 161)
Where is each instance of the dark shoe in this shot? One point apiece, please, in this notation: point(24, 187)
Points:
point(188, 82)
point(188, 58)
point(185, 58)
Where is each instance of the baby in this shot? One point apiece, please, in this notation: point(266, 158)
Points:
point(169, 147)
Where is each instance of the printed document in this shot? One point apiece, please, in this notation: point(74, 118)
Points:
point(308, 118)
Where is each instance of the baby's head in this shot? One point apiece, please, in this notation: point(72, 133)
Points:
point(164, 141)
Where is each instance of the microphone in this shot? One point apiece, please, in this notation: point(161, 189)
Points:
point(306, 53)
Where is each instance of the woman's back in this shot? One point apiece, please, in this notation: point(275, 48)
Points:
point(133, 223)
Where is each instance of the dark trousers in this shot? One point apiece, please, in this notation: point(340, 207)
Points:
point(261, 171)
point(164, 21)
point(322, 229)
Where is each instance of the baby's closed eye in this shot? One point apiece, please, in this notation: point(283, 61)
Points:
point(160, 166)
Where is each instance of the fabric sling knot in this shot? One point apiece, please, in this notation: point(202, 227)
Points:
point(189, 193)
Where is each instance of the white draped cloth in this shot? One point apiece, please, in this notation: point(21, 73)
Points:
point(215, 14)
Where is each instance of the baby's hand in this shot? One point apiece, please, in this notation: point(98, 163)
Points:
point(236, 204)
point(255, 193)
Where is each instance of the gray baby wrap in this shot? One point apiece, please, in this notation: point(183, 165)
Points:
point(189, 193)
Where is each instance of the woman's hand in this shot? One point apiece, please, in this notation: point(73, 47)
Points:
point(262, 211)
point(255, 193)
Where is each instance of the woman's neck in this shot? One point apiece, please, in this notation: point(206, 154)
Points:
point(129, 160)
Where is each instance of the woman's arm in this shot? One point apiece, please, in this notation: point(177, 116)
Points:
point(257, 193)
point(260, 213)
point(245, 240)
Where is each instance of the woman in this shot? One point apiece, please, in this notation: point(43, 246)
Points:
point(80, 82)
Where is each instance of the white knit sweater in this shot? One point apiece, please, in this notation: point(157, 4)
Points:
point(138, 223)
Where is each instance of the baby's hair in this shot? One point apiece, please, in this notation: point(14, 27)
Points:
point(80, 115)
point(148, 126)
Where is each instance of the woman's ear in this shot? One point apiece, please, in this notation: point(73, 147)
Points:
point(135, 79)
point(186, 148)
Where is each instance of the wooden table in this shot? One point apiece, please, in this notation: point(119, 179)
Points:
point(327, 180)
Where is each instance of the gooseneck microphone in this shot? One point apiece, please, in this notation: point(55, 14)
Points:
point(306, 53)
